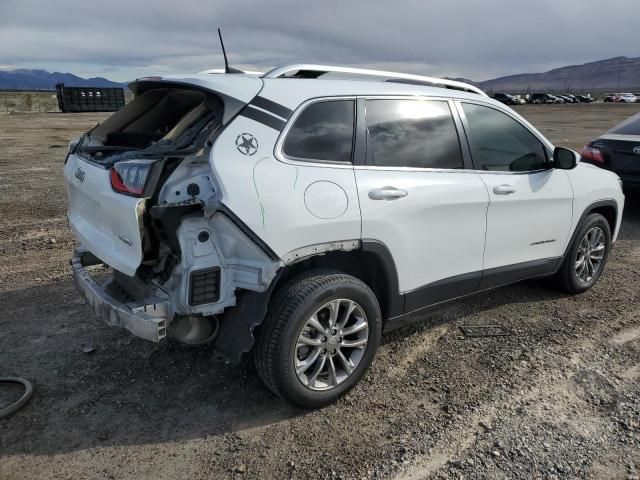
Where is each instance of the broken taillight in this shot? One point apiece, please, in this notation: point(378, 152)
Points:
point(131, 176)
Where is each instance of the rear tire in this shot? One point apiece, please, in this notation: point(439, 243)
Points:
point(587, 255)
point(306, 353)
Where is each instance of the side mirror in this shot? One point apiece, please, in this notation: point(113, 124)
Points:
point(564, 159)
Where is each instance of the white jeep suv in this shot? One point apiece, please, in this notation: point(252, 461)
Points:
point(299, 213)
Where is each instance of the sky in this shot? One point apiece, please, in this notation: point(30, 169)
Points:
point(125, 39)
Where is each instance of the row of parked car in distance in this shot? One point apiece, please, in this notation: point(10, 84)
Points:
point(622, 97)
point(542, 98)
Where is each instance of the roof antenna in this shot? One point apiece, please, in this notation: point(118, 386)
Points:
point(227, 68)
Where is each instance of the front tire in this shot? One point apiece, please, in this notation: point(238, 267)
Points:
point(319, 338)
point(587, 255)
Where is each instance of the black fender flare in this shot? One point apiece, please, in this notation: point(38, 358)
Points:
point(592, 206)
point(395, 300)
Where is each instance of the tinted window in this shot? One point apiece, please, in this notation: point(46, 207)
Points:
point(412, 133)
point(631, 126)
point(499, 143)
point(323, 131)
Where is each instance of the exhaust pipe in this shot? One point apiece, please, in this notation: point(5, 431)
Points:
point(195, 330)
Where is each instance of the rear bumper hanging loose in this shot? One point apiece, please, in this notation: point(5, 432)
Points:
point(146, 319)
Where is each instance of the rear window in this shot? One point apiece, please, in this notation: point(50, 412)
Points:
point(631, 126)
point(323, 131)
point(158, 114)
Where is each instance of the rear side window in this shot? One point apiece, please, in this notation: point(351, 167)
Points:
point(500, 143)
point(323, 131)
point(412, 133)
point(630, 126)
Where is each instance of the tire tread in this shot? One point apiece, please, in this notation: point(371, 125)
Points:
point(285, 302)
point(563, 278)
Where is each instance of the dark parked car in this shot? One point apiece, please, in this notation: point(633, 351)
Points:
point(537, 98)
point(585, 99)
point(506, 99)
point(619, 151)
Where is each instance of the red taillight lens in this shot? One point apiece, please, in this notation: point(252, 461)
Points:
point(592, 154)
point(131, 176)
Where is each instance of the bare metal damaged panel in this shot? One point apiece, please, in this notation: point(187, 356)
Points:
point(320, 248)
point(242, 263)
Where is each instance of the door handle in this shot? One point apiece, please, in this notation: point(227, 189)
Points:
point(504, 190)
point(387, 193)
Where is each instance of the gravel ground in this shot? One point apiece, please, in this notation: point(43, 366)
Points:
point(557, 398)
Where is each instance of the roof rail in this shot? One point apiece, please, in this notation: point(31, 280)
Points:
point(304, 70)
point(222, 70)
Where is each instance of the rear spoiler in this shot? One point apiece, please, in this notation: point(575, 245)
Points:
point(235, 90)
point(240, 87)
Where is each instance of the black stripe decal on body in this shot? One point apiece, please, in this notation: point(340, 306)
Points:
point(271, 106)
point(262, 117)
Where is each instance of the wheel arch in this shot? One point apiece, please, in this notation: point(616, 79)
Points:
point(607, 208)
point(372, 263)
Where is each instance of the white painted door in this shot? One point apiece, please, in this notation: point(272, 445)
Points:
point(530, 207)
point(435, 231)
point(416, 197)
point(529, 217)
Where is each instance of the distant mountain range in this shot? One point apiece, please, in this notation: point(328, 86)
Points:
point(615, 74)
point(26, 79)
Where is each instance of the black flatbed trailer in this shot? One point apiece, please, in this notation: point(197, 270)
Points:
point(89, 99)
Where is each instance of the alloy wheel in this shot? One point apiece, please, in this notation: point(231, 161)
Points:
point(590, 255)
point(331, 344)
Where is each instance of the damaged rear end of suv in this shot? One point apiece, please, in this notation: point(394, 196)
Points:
point(299, 213)
point(146, 209)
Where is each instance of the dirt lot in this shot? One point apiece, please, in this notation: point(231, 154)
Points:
point(558, 398)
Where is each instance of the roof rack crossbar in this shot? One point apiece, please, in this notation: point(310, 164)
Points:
point(313, 71)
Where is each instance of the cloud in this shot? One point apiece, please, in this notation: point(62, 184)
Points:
point(476, 39)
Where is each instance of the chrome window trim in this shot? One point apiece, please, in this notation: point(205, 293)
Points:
point(415, 169)
point(439, 98)
point(279, 154)
point(455, 105)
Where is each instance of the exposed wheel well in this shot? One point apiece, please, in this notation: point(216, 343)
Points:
point(608, 212)
point(364, 265)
